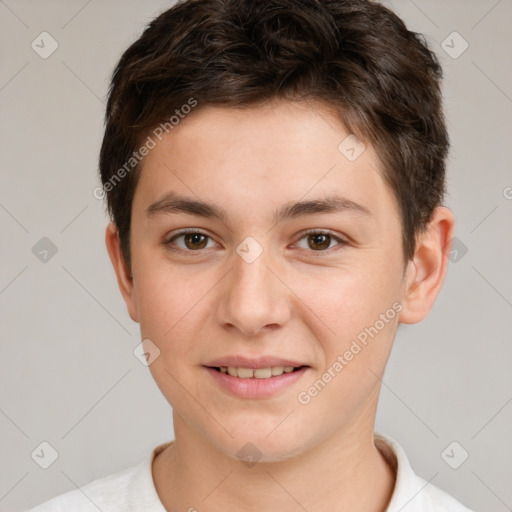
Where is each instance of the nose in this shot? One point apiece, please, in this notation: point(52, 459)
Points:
point(252, 299)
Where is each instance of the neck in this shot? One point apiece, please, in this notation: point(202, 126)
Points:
point(344, 472)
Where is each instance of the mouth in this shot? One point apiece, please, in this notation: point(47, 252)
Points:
point(260, 378)
point(256, 373)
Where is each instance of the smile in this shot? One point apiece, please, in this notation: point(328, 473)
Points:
point(256, 373)
point(259, 382)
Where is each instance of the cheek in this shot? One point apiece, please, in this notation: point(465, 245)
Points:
point(356, 313)
point(349, 299)
point(347, 379)
point(172, 309)
point(170, 303)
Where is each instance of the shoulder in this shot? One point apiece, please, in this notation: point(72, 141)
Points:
point(438, 500)
point(130, 489)
point(101, 494)
point(411, 492)
point(107, 493)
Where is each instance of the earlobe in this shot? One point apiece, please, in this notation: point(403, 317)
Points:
point(123, 274)
point(426, 271)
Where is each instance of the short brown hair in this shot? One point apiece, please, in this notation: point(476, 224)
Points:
point(355, 56)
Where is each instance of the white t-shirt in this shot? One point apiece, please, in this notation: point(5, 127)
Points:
point(133, 489)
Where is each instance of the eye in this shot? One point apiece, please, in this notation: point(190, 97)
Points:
point(191, 241)
point(319, 241)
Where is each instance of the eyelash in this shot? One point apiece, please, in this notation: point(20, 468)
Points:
point(169, 243)
point(340, 241)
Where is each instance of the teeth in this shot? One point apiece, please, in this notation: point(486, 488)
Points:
point(263, 373)
point(258, 373)
point(245, 373)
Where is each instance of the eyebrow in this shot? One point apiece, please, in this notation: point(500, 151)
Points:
point(172, 203)
point(331, 204)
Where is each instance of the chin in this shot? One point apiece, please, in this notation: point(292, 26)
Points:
point(261, 441)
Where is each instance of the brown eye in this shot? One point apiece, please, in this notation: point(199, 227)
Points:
point(195, 241)
point(191, 241)
point(319, 241)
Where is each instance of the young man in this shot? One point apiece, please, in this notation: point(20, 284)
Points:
point(274, 171)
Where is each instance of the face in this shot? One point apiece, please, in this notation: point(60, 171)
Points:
point(268, 271)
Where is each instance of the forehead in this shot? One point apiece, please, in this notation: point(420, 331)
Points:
point(263, 156)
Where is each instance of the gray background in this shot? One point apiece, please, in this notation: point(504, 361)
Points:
point(68, 374)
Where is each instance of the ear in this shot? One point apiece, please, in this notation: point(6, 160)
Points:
point(426, 271)
point(123, 273)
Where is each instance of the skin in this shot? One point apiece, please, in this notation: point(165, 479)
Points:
point(294, 301)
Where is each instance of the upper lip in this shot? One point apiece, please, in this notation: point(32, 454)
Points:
point(257, 362)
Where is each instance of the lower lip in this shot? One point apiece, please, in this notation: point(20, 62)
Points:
point(256, 388)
